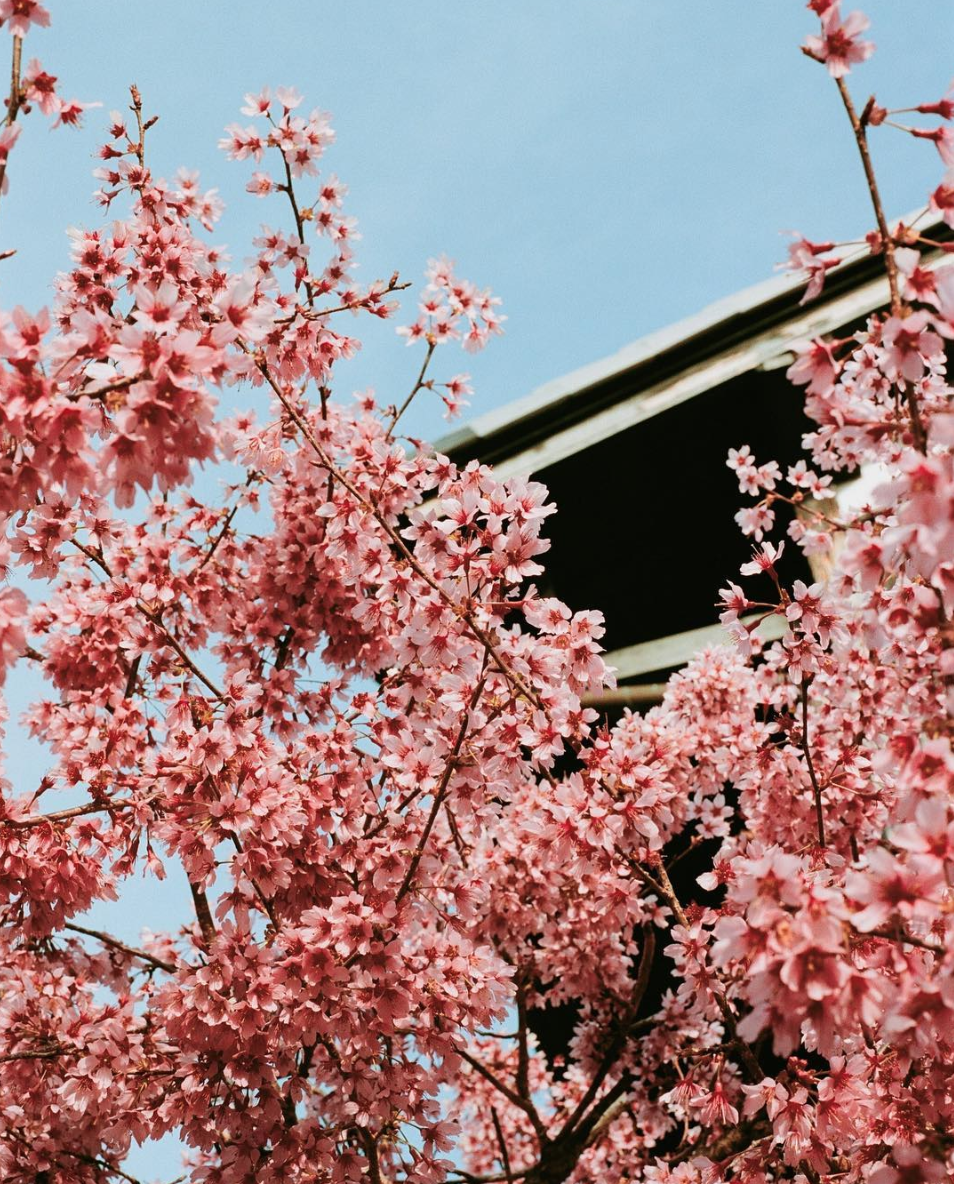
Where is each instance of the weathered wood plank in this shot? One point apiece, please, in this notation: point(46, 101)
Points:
point(664, 653)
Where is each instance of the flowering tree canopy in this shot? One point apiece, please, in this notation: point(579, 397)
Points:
point(338, 701)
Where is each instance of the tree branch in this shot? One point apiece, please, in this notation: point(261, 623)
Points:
point(806, 749)
point(108, 940)
point(890, 263)
point(13, 102)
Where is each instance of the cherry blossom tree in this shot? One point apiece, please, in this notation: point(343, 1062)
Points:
point(338, 701)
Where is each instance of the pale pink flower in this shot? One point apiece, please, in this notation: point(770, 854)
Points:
point(839, 45)
point(40, 87)
point(909, 346)
point(69, 112)
point(20, 14)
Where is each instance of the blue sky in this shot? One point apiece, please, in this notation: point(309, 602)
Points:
point(606, 166)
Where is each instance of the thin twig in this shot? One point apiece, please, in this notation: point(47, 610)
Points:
point(108, 940)
point(418, 385)
point(861, 139)
point(618, 1041)
point(136, 107)
point(504, 1153)
point(888, 244)
point(905, 939)
point(102, 392)
point(48, 1054)
point(662, 886)
point(252, 476)
point(449, 768)
point(511, 1095)
point(316, 314)
point(807, 750)
point(523, 1046)
point(73, 812)
point(289, 188)
point(13, 102)
point(202, 912)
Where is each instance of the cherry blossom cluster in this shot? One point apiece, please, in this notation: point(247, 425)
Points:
point(334, 698)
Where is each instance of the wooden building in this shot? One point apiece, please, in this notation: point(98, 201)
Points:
point(633, 450)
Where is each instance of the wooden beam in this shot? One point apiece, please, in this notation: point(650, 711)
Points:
point(644, 694)
point(667, 653)
point(653, 400)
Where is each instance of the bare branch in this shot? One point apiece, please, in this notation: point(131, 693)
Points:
point(114, 943)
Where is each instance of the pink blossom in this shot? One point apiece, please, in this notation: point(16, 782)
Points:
point(40, 87)
point(941, 137)
point(889, 888)
point(755, 521)
point(814, 367)
point(13, 606)
point(942, 199)
point(839, 45)
point(715, 1109)
point(20, 14)
point(806, 256)
point(909, 346)
point(261, 184)
point(763, 559)
point(909, 1165)
point(334, 685)
point(257, 105)
point(919, 282)
point(69, 112)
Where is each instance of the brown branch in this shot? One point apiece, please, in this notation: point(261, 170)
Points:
point(266, 903)
point(217, 540)
point(49, 1054)
point(861, 139)
point(504, 1153)
point(642, 695)
point(133, 676)
point(620, 1037)
point(431, 346)
point(108, 940)
point(741, 1136)
point(890, 263)
point(383, 822)
point(107, 1167)
point(558, 1159)
point(73, 812)
point(807, 750)
point(186, 660)
point(449, 768)
point(523, 1047)
point(289, 188)
point(315, 314)
point(13, 102)
point(219, 537)
point(202, 912)
point(101, 392)
point(463, 1177)
point(371, 1151)
point(663, 887)
point(136, 107)
point(456, 835)
point(904, 938)
point(605, 1111)
point(511, 1095)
